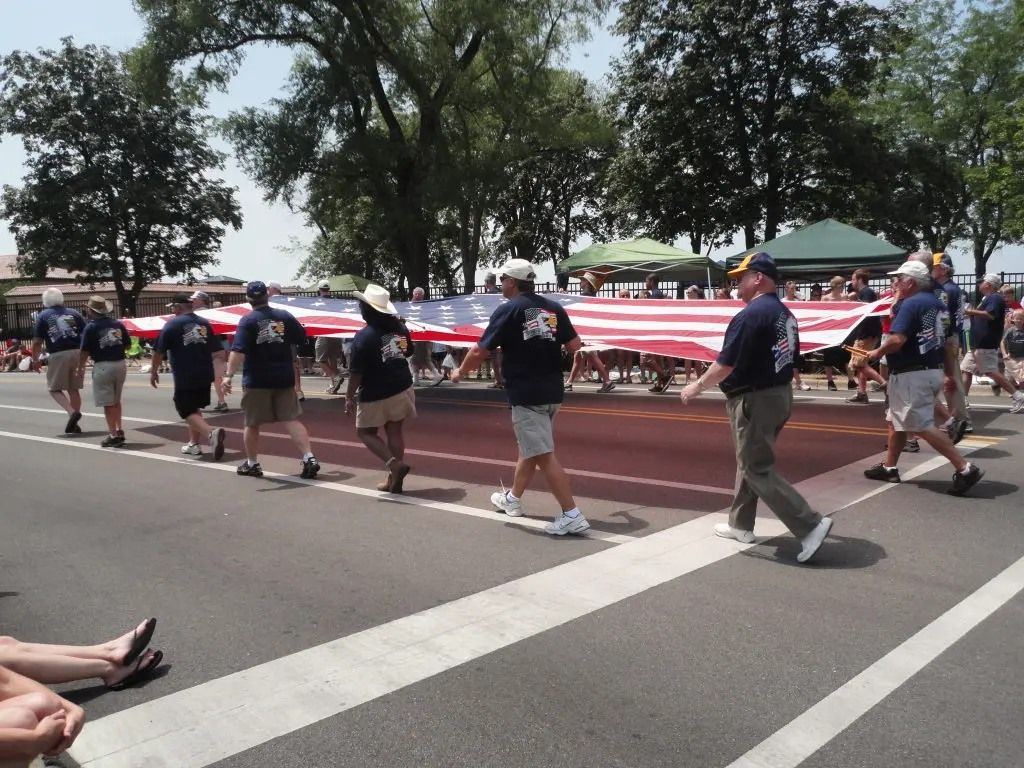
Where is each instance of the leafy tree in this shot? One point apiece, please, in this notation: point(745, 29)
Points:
point(118, 183)
point(728, 109)
point(382, 76)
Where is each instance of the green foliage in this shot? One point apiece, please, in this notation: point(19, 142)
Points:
point(117, 184)
point(376, 91)
point(729, 114)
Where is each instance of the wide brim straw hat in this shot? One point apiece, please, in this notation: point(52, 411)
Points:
point(378, 298)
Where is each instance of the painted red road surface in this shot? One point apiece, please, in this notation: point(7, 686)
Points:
point(646, 451)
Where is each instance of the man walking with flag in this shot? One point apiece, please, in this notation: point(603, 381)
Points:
point(754, 370)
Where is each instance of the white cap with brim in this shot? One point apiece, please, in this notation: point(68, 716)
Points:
point(378, 298)
point(913, 269)
point(992, 280)
point(519, 269)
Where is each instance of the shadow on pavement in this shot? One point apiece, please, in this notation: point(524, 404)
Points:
point(985, 489)
point(82, 696)
point(837, 553)
point(450, 495)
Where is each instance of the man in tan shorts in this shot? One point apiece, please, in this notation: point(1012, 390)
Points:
point(262, 348)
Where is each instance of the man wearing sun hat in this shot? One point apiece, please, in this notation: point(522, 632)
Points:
point(380, 389)
point(531, 332)
point(106, 340)
point(263, 349)
point(754, 370)
point(919, 368)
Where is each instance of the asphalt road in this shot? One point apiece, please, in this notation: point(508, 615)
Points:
point(324, 624)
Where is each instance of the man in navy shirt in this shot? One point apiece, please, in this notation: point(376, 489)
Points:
point(531, 331)
point(865, 337)
point(61, 330)
point(987, 323)
point(953, 298)
point(105, 341)
point(191, 344)
point(916, 353)
point(754, 370)
point(263, 348)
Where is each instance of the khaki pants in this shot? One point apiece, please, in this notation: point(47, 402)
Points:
point(957, 399)
point(757, 418)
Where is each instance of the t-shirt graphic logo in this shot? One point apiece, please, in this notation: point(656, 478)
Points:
point(194, 333)
point(540, 324)
point(61, 327)
point(393, 346)
point(111, 338)
point(785, 341)
point(932, 335)
point(271, 332)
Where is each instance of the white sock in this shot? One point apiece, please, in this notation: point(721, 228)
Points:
point(511, 496)
point(307, 455)
point(948, 422)
point(573, 513)
point(250, 461)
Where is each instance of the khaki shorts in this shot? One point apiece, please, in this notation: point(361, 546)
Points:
point(534, 426)
point(327, 350)
point(1015, 369)
point(266, 406)
point(108, 382)
point(377, 413)
point(980, 361)
point(62, 371)
point(912, 399)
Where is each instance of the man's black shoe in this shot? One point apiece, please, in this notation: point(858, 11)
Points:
point(310, 467)
point(881, 472)
point(964, 481)
point(72, 427)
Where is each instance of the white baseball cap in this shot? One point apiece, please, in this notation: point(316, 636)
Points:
point(520, 269)
point(992, 280)
point(913, 269)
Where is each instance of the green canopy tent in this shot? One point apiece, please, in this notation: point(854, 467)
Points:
point(631, 261)
point(343, 283)
point(827, 248)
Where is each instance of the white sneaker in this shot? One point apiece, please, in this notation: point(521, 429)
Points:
point(1018, 403)
point(217, 435)
point(812, 541)
point(564, 524)
point(191, 449)
point(805, 387)
point(726, 531)
point(511, 508)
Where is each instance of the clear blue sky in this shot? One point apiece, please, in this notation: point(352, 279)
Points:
point(254, 251)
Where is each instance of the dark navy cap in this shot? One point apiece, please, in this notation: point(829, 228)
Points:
point(757, 262)
point(256, 289)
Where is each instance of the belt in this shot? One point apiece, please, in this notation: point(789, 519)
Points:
point(912, 368)
point(745, 390)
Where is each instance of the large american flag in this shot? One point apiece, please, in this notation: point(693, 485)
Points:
point(693, 330)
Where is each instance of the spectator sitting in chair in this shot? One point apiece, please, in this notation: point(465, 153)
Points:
point(13, 355)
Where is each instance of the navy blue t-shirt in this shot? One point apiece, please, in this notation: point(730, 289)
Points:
point(266, 336)
point(985, 333)
point(953, 298)
point(1014, 340)
point(105, 339)
point(61, 329)
point(380, 356)
point(760, 344)
point(189, 342)
point(922, 319)
point(869, 327)
point(530, 330)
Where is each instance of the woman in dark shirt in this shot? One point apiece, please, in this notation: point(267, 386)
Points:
point(380, 388)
